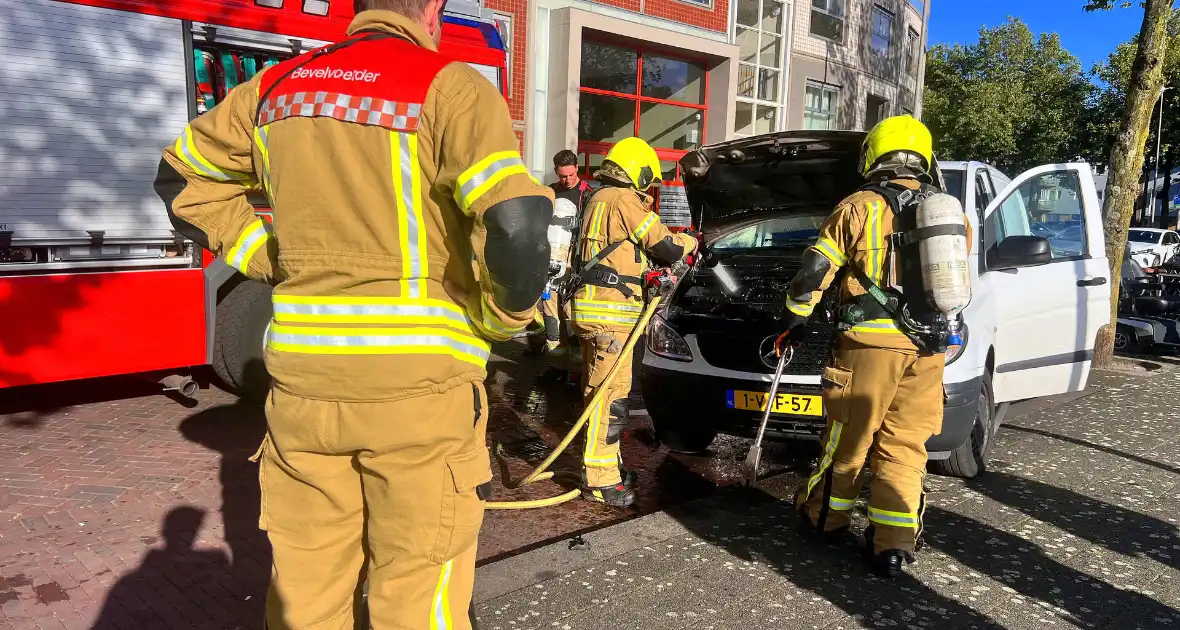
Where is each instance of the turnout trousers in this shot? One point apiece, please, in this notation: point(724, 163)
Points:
point(883, 404)
point(380, 490)
point(601, 457)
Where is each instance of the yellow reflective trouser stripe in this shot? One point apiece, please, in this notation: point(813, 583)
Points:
point(895, 519)
point(831, 250)
point(802, 309)
point(486, 173)
point(254, 236)
point(881, 326)
point(411, 228)
point(369, 310)
point(590, 456)
point(829, 453)
point(648, 221)
point(186, 150)
point(260, 134)
point(419, 340)
point(440, 611)
point(840, 505)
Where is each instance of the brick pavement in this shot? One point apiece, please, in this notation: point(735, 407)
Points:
point(138, 512)
point(123, 508)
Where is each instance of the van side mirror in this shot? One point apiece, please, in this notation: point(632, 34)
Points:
point(1019, 251)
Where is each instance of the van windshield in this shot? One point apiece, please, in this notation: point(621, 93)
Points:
point(795, 230)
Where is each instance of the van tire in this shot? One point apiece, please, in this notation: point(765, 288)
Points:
point(679, 437)
point(970, 460)
point(239, 337)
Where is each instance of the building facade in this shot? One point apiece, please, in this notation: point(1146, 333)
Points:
point(683, 73)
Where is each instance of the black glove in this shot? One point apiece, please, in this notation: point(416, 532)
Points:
point(792, 323)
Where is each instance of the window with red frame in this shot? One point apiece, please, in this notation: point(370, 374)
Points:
point(633, 91)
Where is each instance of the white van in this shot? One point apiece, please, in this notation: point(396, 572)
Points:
point(1031, 326)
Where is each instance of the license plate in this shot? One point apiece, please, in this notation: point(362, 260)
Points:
point(793, 404)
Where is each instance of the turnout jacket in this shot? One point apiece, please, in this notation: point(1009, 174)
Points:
point(406, 234)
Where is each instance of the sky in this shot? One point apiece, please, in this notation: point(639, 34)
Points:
point(1089, 36)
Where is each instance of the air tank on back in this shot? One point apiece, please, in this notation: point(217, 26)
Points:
point(946, 274)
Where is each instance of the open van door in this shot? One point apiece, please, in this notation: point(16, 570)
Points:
point(1052, 294)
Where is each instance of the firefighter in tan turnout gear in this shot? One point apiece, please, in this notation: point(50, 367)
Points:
point(619, 234)
point(407, 235)
point(883, 391)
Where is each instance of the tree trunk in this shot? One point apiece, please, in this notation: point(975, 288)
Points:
point(1126, 158)
point(1166, 191)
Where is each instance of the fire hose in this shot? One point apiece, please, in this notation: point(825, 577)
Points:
point(542, 472)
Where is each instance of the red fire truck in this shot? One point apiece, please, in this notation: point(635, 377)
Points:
point(93, 279)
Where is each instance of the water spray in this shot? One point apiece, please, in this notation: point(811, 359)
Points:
point(725, 276)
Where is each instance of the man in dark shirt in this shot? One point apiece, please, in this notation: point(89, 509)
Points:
point(568, 184)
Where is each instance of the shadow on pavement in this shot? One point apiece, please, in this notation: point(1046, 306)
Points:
point(31, 405)
point(139, 599)
point(1098, 447)
point(235, 431)
point(755, 526)
point(1111, 527)
point(1067, 591)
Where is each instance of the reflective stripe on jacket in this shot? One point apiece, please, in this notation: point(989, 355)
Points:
point(613, 215)
point(857, 233)
point(379, 159)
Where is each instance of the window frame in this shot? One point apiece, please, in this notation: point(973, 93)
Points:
point(825, 87)
point(588, 148)
point(913, 52)
point(996, 219)
point(508, 20)
point(873, 35)
point(827, 10)
point(755, 101)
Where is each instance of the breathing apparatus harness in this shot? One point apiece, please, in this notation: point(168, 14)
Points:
point(924, 325)
point(594, 272)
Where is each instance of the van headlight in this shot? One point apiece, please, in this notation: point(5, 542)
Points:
point(665, 342)
point(954, 352)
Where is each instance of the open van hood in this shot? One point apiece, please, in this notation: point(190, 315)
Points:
point(749, 179)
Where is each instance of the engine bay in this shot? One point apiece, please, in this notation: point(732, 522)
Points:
point(730, 326)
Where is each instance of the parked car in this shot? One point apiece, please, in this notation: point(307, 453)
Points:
point(759, 202)
point(1152, 247)
point(1149, 309)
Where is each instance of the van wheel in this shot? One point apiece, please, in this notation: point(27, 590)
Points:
point(970, 460)
point(239, 338)
point(680, 437)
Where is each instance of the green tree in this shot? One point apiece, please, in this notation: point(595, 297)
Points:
point(1014, 98)
point(1126, 157)
point(1114, 75)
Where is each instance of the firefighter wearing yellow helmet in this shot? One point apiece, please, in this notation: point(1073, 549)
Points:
point(619, 234)
point(883, 391)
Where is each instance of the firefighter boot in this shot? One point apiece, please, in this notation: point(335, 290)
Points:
point(619, 496)
point(838, 537)
point(889, 563)
point(630, 477)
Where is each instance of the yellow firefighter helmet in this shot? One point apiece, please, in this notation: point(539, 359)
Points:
point(638, 160)
point(899, 133)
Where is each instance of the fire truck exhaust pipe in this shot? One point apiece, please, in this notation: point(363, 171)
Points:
point(183, 385)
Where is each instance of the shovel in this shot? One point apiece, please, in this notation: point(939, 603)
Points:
point(754, 457)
